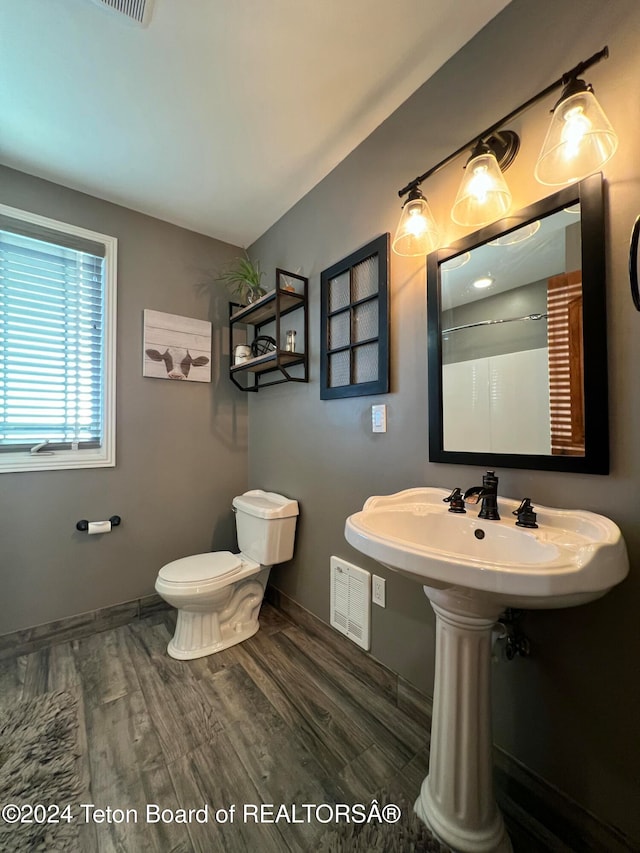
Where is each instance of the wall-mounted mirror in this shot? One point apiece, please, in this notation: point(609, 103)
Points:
point(517, 339)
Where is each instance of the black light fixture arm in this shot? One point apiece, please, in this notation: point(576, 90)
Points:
point(567, 78)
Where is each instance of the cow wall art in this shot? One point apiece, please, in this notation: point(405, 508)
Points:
point(176, 347)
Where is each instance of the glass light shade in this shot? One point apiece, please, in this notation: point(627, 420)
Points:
point(517, 236)
point(579, 141)
point(484, 195)
point(417, 232)
point(457, 262)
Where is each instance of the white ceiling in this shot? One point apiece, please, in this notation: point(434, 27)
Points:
point(221, 114)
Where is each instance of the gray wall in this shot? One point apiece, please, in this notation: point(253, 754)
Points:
point(181, 447)
point(571, 711)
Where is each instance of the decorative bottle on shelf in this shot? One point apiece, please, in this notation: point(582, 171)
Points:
point(291, 341)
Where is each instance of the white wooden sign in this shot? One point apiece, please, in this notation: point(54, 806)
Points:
point(176, 347)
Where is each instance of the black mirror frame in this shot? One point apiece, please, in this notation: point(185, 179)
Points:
point(590, 194)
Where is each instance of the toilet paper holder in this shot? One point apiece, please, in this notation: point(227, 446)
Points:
point(83, 524)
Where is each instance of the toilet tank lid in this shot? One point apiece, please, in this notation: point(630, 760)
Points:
point(266, 504)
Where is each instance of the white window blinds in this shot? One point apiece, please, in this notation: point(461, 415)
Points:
point(52, 325)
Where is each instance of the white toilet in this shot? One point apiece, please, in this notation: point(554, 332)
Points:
point(218, 595)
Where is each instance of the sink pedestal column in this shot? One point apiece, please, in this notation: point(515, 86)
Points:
point(456, 799)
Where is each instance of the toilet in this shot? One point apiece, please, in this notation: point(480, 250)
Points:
point(218, 595)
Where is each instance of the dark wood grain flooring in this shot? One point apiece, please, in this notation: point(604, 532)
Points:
point(291, 716)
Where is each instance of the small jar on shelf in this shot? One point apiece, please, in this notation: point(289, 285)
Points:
point(290, 345)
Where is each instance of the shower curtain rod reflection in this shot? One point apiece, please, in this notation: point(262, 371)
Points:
point(494, 322)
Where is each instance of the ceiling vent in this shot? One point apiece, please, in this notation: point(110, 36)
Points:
point(138, 11)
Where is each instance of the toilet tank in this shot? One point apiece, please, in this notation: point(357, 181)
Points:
point(266, 526)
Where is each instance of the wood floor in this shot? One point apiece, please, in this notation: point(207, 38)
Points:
point(292, 715)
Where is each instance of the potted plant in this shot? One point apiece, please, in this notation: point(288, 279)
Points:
point(243, 279)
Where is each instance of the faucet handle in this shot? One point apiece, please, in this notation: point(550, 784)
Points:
point(526, 514)
point(456, 500)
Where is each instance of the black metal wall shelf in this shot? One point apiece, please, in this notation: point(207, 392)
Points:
point(271, 308)
point(264, 309)
point(263, 363)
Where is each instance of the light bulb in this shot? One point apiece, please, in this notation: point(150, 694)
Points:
point(416, 223)
point(481, 183)
point(576, 127)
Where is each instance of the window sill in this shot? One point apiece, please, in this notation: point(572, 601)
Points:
point(61, 460)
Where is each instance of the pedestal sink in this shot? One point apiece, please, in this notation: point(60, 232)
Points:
point(471, 570)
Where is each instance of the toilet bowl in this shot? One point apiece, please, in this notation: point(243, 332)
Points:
point(218, 595)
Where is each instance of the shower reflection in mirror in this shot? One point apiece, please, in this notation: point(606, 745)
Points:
point(511, 327)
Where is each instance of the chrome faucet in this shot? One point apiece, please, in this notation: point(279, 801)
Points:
point(488, 494)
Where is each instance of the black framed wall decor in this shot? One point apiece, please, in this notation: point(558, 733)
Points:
point(354, 313)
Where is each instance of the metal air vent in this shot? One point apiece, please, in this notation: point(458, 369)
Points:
point(350, 601)
point(138, 11)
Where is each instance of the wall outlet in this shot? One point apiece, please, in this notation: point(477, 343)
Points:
point(379, 591)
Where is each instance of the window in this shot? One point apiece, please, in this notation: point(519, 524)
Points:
point(57, 344)
point(354, 358)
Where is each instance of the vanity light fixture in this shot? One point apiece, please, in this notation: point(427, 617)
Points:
point(579, 141)
point(417, 232)
point(484, 195)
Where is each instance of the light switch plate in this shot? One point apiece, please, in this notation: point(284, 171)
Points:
point(379, 418)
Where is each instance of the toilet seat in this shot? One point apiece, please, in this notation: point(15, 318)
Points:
point(199, 568)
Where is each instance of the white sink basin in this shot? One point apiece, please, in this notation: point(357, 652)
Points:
point(571, 558)
point(471, 570)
